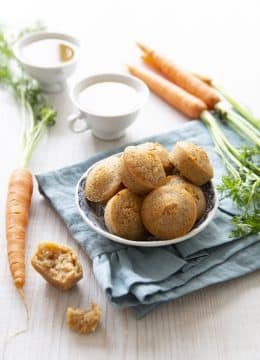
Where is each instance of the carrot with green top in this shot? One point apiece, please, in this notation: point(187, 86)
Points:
point(36, 117)
point(180, 77)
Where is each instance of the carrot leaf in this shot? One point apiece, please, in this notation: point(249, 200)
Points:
point(37, 116)
point(242, 181)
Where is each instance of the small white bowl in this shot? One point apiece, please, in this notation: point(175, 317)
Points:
point(51, 78)
point(92, 214)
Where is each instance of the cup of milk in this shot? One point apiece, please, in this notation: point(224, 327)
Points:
point(48, 57)
point(107, 104)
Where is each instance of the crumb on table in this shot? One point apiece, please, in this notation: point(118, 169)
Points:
point(83, 321)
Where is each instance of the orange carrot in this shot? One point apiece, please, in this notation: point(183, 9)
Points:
point(17, 214)
point(206, 79)
point(174, 95)
point(149, 61)
point(180, 77)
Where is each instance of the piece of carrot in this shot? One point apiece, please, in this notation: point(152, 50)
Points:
point(206, 79)
point(18, 203)
point(180, 77)
point(174, 95)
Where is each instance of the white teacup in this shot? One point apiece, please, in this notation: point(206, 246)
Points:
point(51, 79)
point(106, 127)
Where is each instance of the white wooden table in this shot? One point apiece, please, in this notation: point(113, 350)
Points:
point(220, 38)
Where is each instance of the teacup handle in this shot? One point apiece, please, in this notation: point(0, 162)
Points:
point(74, 118)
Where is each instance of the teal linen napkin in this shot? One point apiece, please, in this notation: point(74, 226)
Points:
point(142, 278)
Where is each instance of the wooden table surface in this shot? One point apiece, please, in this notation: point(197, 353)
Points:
point(220, 38)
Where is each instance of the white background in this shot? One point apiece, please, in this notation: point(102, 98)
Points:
point(220, 38)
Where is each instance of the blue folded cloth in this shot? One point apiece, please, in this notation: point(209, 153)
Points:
point(142, 278)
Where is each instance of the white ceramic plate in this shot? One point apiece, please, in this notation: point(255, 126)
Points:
point(92, 214)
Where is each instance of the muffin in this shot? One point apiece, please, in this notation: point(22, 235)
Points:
point(168, 213)
point(104, 180)
point(192, 162)
point(161, 152)
point(142, 169)
point(194, 190)
point(58, 264)
point(123, 215)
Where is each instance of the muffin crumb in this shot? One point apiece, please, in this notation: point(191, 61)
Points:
point(83, 321)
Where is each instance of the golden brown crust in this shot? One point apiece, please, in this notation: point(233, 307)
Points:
point(168, 213)
point(192, 162)
point(194, 190)
point(161, 152)
point(132, 183)
point(123, 215)
point(58, 264)
point(142, 169)
point(104, 180)
point(83, 321)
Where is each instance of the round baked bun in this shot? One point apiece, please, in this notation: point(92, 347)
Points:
point(192, 162)
point(194, 190)
point(161, 152)
point(168, 213)
point(142, 169)
point(123, 215)
point(104, 180)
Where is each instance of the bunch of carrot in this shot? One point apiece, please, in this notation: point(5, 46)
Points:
point(195, 95)
point(184, 91)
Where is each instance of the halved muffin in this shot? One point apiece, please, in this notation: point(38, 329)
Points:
point(194, 190)
point(104, 180)
point(142, 169)
point(123, 215)
point(192, 162)
point(58, 264)
point(168, 213)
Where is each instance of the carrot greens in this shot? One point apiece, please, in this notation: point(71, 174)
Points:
point(242, 182)
point(36, 114)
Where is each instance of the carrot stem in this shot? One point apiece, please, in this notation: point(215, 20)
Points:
point(242, 109)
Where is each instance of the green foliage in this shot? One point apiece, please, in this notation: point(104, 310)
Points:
point(245, 193)
point(242, 182)
point(245, 225)
point(251, 154)
point(37, 115)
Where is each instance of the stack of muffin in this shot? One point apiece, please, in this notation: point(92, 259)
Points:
point(147, 190)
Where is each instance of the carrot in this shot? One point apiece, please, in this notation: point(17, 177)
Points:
point(180, 77)
point(36, 117)
point(174, 95)
point(206, 79)
point(17, 214)
point(149, 61)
